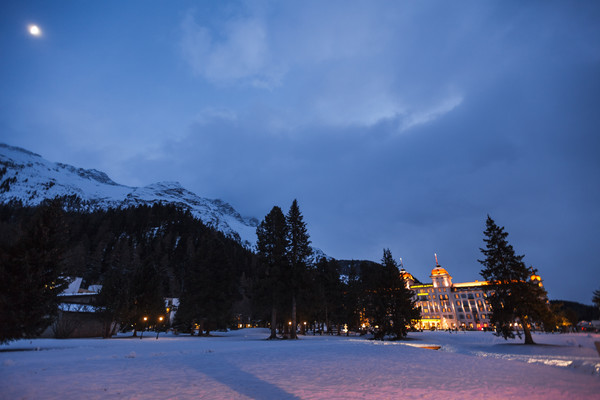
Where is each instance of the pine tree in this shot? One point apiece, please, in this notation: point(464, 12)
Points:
point(31, 270)
point(327, 291)
point(513, 295)
point(596, 298)
point(299, 254)
point(210, 288)
point(401, 306)
point(271, 248)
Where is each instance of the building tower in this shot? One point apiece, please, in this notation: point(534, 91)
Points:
point(439, 276)
point(409, 280)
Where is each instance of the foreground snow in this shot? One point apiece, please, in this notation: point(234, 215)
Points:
point(242, 365)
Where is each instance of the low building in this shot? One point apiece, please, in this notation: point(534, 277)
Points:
point(77, 314)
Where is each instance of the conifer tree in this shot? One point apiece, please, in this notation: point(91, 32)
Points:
point(512, 294)
point(401, 306)
point(271, 248)
point(299, 254)
point(327, 293)
point(596, 298)
point(145, 297)
point(31, 270)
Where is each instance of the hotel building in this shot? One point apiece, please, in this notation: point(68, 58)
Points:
point(448, 305)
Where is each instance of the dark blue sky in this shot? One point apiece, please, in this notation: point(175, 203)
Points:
point(394, 124)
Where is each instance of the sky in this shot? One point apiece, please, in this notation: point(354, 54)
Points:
point(397, 125)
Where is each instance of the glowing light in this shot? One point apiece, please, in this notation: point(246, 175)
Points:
point(34, 30)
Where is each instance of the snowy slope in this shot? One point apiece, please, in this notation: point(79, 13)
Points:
point(242, 365)
point(28, 177)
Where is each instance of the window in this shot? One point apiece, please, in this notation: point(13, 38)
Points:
point(456, 296)
point(471, 296)
point(461, 316)
point(450, 316)
point(476, 294)
point(458, 303)
point(464, 296)
point(468, 316)
point(459, 310)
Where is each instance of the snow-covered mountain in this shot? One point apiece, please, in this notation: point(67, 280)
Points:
point(28, 177)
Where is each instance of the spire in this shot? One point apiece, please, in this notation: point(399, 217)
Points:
point(436, 260)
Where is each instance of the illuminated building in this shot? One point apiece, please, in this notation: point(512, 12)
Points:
point(448, 305)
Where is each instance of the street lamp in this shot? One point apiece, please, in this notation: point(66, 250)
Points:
point(145, 327)
point(160, 320)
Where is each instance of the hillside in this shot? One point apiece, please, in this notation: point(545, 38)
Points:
point(29, 178)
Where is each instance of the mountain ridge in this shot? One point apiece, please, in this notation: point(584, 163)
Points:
point(28, 177)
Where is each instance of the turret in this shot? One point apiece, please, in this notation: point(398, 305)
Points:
point(408, 278)
point(439, 276)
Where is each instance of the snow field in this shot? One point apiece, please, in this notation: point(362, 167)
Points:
point(242, 365)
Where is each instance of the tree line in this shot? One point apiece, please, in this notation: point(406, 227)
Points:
point(142, 255)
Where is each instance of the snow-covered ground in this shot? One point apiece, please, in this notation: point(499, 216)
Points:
point(242, 365)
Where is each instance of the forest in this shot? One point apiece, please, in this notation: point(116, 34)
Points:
point(142, 255)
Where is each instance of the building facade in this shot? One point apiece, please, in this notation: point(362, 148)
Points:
point(448, 305)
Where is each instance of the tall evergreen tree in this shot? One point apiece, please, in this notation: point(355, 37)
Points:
point(31, 272)
point(299, 255)
point(146, 298)
point(512, 293)
point(401, 306)
point(210, 288)
point(596, 298)
point(271, 248)
point(388, 303)
point(327, 293)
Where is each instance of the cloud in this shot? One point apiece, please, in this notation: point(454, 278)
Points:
point(328, 65)
point(212, 114)
point(424, 116)
point(237, 51)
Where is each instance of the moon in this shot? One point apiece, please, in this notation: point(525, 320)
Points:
point(34, 30)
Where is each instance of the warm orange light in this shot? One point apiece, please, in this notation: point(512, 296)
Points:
point(160, 319)
point(145, 318)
